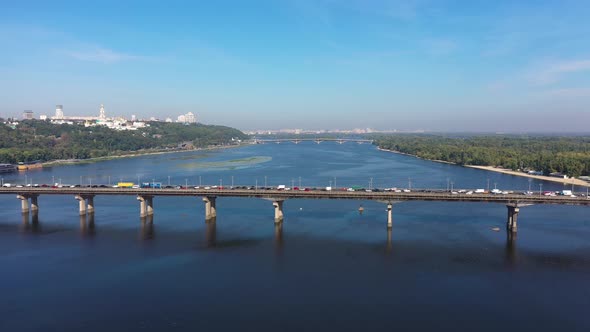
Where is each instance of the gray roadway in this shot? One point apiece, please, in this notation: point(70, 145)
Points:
point(316, 194)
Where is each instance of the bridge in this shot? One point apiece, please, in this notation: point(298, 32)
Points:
point(316, 140)
point(85, 197)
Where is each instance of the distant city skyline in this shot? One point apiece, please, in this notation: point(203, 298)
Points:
point(411, 65)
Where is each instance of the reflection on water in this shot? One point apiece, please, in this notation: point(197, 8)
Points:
point(87, 227)
point(147, 228)
point(33, 226)
point(511, 257)
point(389, 245)
point(211, 234)
point(279, 238)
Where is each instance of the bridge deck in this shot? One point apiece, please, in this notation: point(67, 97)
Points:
point(293, 194)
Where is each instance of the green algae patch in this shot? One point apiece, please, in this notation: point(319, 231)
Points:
point(229, 164)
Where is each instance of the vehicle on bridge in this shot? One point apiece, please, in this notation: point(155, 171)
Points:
point(153, 185)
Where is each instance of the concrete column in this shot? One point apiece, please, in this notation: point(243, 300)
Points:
point(142, 206)
point(515, 219)
point(90, 201)
point(278, 211)
point(508, 218)
point(149, 205)
point(511, 222)
point(34, 204)
point(82, 201)
point(210, 208)
point(389, 216)
point(24, 203)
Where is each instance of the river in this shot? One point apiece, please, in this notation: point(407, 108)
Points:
point(442, 267)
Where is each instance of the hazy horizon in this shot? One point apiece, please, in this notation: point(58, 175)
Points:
point(438, 66)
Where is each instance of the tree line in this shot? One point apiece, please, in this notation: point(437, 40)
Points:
point(569, 155)
point(33, 140)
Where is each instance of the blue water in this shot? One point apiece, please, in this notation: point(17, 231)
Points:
point(442, 267)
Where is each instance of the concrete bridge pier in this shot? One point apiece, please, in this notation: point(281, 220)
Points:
point(82, 204)
point(210, 208)
point(278, 204)
point(149, 202)
point(389, 216)
point(511, 223)
point(90, 203)
point(24, 203)
point(34, 204)
point(389, 212)
point(142, 206)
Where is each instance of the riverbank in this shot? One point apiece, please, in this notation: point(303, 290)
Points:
point(411, 155)
point(54, 163)
point(574, 181)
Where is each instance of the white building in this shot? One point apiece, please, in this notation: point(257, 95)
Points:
point(59, 112)
point(187, 118)
point(190, 118)
point(28, 115)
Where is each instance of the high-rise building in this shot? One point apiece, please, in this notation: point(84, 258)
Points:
point(28, 115)
point(59, 112)
point(133, 118)
point(102, 115)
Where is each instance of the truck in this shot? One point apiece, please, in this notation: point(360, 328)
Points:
point(479, 191)
point(281, 187)
point(153, 185)
point(125, 184)
point(566, 192)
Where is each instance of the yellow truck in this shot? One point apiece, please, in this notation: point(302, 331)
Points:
point(125, 184)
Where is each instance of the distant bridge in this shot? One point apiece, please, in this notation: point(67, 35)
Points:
point(145, 196)
point(316, 140)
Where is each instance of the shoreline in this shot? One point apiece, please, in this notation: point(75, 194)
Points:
point(62, 162)
point(570, 181)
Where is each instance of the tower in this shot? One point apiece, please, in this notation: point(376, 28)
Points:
point(102, 116)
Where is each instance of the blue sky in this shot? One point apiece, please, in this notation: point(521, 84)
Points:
point(433, 65)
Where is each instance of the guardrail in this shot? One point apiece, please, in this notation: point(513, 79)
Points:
point(423, 195)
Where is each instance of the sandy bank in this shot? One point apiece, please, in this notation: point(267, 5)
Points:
point(134, 154)
point(574, 181)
